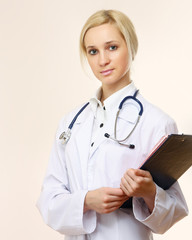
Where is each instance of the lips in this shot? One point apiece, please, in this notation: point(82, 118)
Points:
point(107, 72)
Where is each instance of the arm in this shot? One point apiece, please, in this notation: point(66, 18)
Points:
point(163, 209)
point(60, 208)
point(169, 208)
point(154, 207)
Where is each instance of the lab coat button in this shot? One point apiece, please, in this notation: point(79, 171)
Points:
point(92, 144)
point(101, 125)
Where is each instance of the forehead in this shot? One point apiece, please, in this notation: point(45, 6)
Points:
point(102, 34)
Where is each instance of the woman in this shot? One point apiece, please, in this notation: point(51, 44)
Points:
point(91, 175)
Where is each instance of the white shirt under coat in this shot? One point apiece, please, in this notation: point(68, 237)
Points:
point(78, 167)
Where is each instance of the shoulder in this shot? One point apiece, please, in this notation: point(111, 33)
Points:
point(70, 116)
point(156, 118)
point(154, 124)
point(154, 112)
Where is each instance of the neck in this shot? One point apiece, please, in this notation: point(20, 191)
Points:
point(108, 90)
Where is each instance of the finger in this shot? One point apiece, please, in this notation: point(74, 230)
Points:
point(131, 183)
point(115, 204)
point(142, 173)
point(128, 180)
point(130, 174)
point(126, 191)
point(109, 210)
point(111, 198)
point(126, 188)
point(115, 192)
point(136, 176)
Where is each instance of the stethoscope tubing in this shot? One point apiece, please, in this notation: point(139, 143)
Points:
point(135, 99)
point(77, 115)
point(65, 136)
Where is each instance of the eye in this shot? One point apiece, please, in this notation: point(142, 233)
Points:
point(92, 52)
point(113, 47)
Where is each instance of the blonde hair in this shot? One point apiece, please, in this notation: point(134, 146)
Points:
point(122, 22)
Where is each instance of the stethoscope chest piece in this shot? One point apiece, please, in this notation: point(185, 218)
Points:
point(65, 136)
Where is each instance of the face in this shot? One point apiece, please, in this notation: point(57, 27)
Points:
point(108, 56)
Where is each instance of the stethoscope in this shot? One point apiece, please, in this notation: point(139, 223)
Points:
point(65, 136)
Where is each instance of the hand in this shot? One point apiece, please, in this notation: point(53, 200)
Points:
point(139, 183)
point(104, 200)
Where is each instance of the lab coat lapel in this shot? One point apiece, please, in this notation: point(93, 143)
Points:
point(83, 140)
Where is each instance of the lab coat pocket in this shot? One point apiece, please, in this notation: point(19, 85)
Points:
point(116, 160)
point(126, 122)
point(129, 113)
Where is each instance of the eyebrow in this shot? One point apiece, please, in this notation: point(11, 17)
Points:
point(106, 43)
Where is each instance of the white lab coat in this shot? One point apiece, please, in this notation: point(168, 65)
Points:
point(74, 169)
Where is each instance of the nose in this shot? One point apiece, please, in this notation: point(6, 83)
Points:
point(103, 59)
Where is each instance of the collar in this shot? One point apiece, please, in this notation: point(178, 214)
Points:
point(111, 104)
point(95, 101)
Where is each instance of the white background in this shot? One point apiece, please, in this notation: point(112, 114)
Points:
point(41, 79)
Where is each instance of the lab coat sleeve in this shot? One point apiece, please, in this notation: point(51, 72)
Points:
point(170, 205)
point(61, 209)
